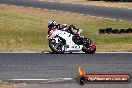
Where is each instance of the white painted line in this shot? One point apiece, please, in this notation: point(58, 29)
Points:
point(114, 52)
point(49, 52)
point(123, 8)
point(120, 20)
point(54, 10)
point(67, 12)
point(75, 3)
point(93, 16)
point(100, 17)
point(61, 2)
point(75, 13)
point(21, 52)
point(31, 7)
point(45, 52)
point(82, 14)
point(4, 4)
point(61, 11)
point(107, 18)
point(39, 8)
point(40, 79)
point(51, 1)
point(28, 79)
point(46, 9)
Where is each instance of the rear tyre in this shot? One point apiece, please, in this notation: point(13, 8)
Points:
point(89, 49)
point(56, 47)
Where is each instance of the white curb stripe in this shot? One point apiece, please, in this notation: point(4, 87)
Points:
point(65, 52)
point(114, 52)
point(61, 2)
point(21, 52)
point(63, 79)
point(61, 11)
point(120, 20)
point(54, 10)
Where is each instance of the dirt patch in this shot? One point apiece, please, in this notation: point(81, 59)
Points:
point(3, 85)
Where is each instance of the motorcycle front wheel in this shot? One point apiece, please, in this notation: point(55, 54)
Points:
point(56, 47)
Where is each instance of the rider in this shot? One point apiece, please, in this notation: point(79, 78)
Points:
point(69, 28)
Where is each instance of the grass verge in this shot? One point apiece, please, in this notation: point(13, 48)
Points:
point(25, 29)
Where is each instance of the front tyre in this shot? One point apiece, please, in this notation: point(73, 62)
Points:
point(81, 80)
point(89, 49)
point(56, 47)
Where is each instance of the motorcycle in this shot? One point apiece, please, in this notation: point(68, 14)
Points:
point(61, 41)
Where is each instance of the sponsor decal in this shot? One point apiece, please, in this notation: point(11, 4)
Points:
point(102, 78)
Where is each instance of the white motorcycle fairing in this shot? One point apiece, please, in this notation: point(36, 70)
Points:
point(70, 45)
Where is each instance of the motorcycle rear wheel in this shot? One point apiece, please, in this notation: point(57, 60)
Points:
point(88, 50)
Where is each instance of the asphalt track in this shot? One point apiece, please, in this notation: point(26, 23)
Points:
point(42, 66)
point(107, 12)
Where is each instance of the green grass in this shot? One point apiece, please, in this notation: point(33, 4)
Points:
point(25, 29)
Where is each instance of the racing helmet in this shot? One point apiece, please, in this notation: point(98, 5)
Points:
point(51, 24)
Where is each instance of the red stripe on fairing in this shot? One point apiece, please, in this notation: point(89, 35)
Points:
point(52, 31)
point(93, 45)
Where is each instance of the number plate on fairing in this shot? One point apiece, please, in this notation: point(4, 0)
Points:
point(73, 47)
